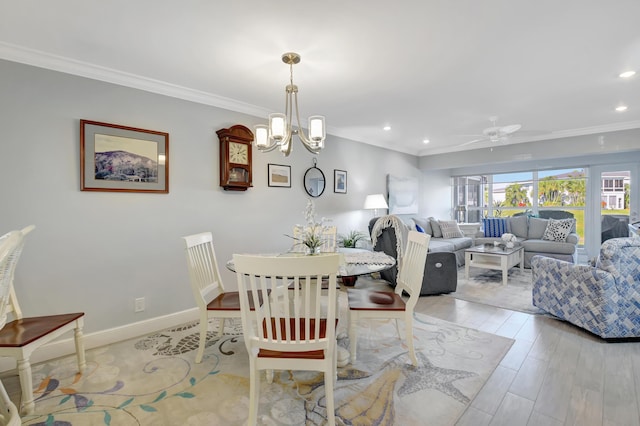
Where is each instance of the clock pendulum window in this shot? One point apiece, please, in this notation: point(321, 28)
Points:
point(235, 158)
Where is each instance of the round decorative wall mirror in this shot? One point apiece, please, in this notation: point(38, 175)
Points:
point(314, 182)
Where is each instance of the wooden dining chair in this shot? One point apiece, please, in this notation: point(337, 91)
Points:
point(373, 304)
point(22, 336)
point(299, 338)
point(208, 289)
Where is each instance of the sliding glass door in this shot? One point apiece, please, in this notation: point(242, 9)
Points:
point(616, 205)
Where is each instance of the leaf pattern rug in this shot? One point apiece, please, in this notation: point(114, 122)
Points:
point(153, 380)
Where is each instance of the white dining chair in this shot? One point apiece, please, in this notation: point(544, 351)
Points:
point(22, 336)
point(212, 299)
point(329, 239)
point(374, 304)
point(299, 338)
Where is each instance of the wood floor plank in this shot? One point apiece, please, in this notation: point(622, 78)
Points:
point(490, 396)
point(620, 400)
point(528, 381)
point(513, 411)
point(539, 419)
point(474, 417)
point(517, 354)
point(585, 407)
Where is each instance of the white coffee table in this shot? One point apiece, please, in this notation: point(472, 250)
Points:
point(488, 256)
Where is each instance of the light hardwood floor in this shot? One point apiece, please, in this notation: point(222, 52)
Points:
point(554, 374)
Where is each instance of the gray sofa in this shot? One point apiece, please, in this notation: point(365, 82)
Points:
point(439, 244)
point(529, 231)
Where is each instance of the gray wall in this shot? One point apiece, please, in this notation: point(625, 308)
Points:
point(98, 251)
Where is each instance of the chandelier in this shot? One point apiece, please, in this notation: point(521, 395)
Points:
point(280, 129)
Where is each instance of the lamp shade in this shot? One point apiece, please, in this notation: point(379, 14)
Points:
point(375, 201)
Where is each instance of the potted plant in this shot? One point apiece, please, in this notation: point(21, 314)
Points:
point(351, 239)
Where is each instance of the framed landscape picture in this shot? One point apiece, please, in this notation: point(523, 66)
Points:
point(340, 181)
point(121, 158)
point(279, 175)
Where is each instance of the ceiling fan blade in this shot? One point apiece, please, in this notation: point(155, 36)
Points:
point(507, 130)
point(473, 141)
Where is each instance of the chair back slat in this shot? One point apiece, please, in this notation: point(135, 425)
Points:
point(298, 320)
point(12, 244)
point(9, 252)
point(411, 270)
point(204, 274)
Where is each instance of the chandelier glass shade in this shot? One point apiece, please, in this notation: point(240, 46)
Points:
point(279, 132)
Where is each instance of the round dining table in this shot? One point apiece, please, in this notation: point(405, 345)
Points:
point(353, 263)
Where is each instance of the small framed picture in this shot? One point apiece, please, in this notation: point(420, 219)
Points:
point(279, 175)
point(340, 181)
point(124, 159)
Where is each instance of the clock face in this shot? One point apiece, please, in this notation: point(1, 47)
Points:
point(238, 153)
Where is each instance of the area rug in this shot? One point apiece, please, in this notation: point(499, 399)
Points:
point(485, 286)
point(153, 380)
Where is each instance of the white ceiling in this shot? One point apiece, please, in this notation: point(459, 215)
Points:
point(435, 69)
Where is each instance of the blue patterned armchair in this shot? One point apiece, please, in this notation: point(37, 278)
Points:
point(603, 299)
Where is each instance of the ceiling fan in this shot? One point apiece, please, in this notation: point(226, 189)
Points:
point(496, 133)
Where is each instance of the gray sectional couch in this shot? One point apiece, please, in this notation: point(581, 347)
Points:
point(529, 231)
point(439, 244)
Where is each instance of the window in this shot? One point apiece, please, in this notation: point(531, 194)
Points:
point(549, 193)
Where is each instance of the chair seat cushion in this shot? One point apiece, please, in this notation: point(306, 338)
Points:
point(363, 299)
point(18, 333)
point(319, 354)
point(230, 301)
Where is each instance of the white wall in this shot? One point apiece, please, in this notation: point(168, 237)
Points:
point(98, 251)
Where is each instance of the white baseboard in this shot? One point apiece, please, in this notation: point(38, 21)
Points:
point(64, 347)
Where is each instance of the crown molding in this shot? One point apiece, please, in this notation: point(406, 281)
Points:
point(66, 65)
point(37, 58)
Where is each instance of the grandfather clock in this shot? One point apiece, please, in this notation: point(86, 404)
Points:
point(235, 158)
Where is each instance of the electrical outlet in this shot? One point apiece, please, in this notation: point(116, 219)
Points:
point(139, 305)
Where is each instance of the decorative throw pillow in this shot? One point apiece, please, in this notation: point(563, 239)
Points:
point(518, 226)
point(450, 229)
point(558, 229)
point(419, 228)
point(435, 228)
point(494, 227)
point(424, 224)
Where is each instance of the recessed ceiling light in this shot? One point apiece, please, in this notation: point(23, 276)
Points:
point(386, 128)
point(627, 74)
point(621, 108)
point(425, 141)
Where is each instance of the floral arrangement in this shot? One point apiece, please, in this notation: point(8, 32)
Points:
point(312, 233)
point(509, 239)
